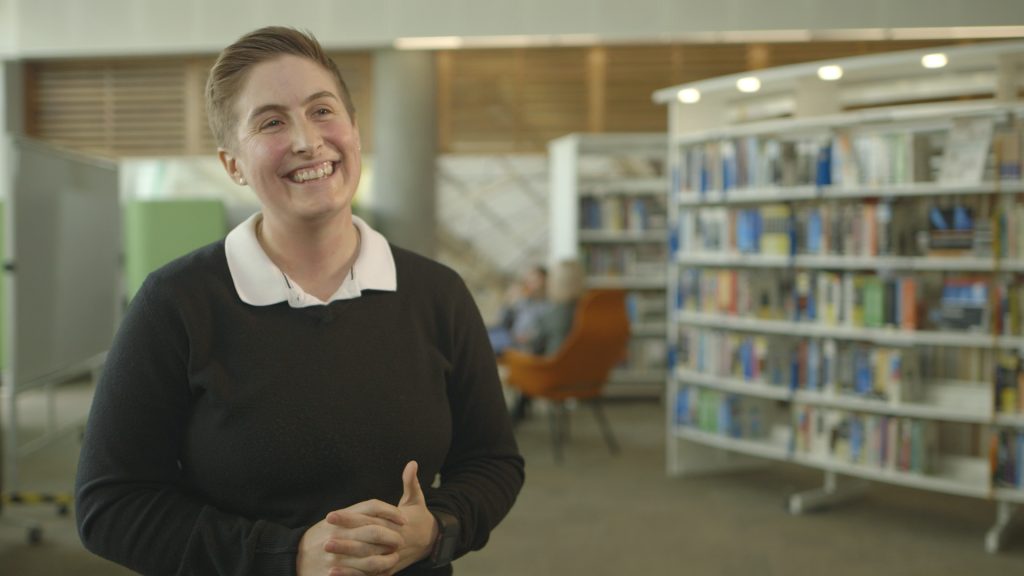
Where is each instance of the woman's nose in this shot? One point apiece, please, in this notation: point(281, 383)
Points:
point(305, 138)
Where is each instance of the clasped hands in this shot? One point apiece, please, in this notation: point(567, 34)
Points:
point(372, 537)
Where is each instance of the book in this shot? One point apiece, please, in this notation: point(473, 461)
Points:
point(967, 148)
point(1007, 380)
point(964, 304)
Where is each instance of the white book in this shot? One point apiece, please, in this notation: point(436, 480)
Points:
point(967, 146)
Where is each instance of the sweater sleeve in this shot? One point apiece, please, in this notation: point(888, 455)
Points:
point(484, 471)
point(131, 507)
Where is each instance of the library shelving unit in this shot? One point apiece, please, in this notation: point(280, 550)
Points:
point(846, 274)
point(608, 211)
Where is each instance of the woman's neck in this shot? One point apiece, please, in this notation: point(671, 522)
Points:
point(316, 256)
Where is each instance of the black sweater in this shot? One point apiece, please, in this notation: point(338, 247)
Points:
point(221, 431)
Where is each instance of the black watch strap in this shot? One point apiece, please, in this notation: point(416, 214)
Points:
point(447, 539)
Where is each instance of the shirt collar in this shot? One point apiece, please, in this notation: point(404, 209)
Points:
point(260, 282)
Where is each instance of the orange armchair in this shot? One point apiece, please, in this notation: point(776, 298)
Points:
point(579, 370)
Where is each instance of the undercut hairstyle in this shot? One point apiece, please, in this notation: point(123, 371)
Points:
point(229, 73)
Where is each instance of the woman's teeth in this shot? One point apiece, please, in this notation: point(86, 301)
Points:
point(322, 171)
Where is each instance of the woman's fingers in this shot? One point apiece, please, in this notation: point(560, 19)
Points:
point(368, 566)
point(346, 547)
point(369, 534)
point(356, 514)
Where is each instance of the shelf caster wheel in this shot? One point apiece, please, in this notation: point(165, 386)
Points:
point(35, 536)
point(63, 510)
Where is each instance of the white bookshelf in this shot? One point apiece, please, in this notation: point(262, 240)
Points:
point(804, 193)
point(969, 402)
point(954, 475)
point(878, 263)
point(878, 336)
point(608, 210)
point(914, 213)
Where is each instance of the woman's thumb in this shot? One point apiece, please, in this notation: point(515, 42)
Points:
point(411, 491)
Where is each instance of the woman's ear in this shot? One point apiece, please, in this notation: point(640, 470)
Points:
point(231, 166)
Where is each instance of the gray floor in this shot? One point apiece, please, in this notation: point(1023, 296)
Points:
point(599, 514)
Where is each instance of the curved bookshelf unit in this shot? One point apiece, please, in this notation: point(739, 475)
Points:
point(846, 275)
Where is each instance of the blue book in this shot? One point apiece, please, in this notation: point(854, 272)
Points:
point(814, 232)
point(814, 365)
point(682, 415)
point(862, 372)
point(794, 370)
point(823, 175)
point(747, 359)
point(744, 236)
point(856, 439)
point(1020, 459)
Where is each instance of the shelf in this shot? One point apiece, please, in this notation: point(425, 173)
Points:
point(962, 402)
point(880, 336)
point(942, 112)
point(767, 195)
point(625, 283)
point(733, 385)
point(623, 236)
point(1009, 420)
point(1015, 495)
point(891, 136)
point(649, 329)
point(957, 475)
point(838, 262)
point(622, 186)
point(759, 448)
point(935, 406)
point(631, 376)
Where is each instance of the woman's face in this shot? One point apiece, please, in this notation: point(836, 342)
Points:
point(295, 143)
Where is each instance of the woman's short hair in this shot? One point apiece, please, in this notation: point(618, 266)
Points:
point(232, 67)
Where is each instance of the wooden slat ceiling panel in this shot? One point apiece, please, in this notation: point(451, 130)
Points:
point(130, 107)
point(632, 74)
point(495, 100)
point(115, 107)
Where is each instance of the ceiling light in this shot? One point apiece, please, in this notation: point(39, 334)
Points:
point(689, 95)
point(748, 84)
point(936, 60)
point(830, 72)
point(429, 43)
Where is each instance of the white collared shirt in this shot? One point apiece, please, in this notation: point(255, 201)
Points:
point(259, 282)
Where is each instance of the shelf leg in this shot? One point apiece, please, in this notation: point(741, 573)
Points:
point(828, 495)
point(996, 536)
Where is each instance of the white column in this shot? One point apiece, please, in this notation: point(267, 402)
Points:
point(402, 204)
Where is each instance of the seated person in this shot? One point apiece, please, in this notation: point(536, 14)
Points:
point(518, 326)
point(564, 292)
point(554, 321)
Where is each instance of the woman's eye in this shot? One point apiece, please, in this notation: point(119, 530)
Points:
point(323, 111)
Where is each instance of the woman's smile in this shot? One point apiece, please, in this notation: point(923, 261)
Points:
point(317, 172)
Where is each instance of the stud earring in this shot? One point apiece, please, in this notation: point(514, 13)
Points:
point(241, 180)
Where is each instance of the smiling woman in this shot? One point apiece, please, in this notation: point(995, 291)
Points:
point(281, 402)
point(297, 146)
